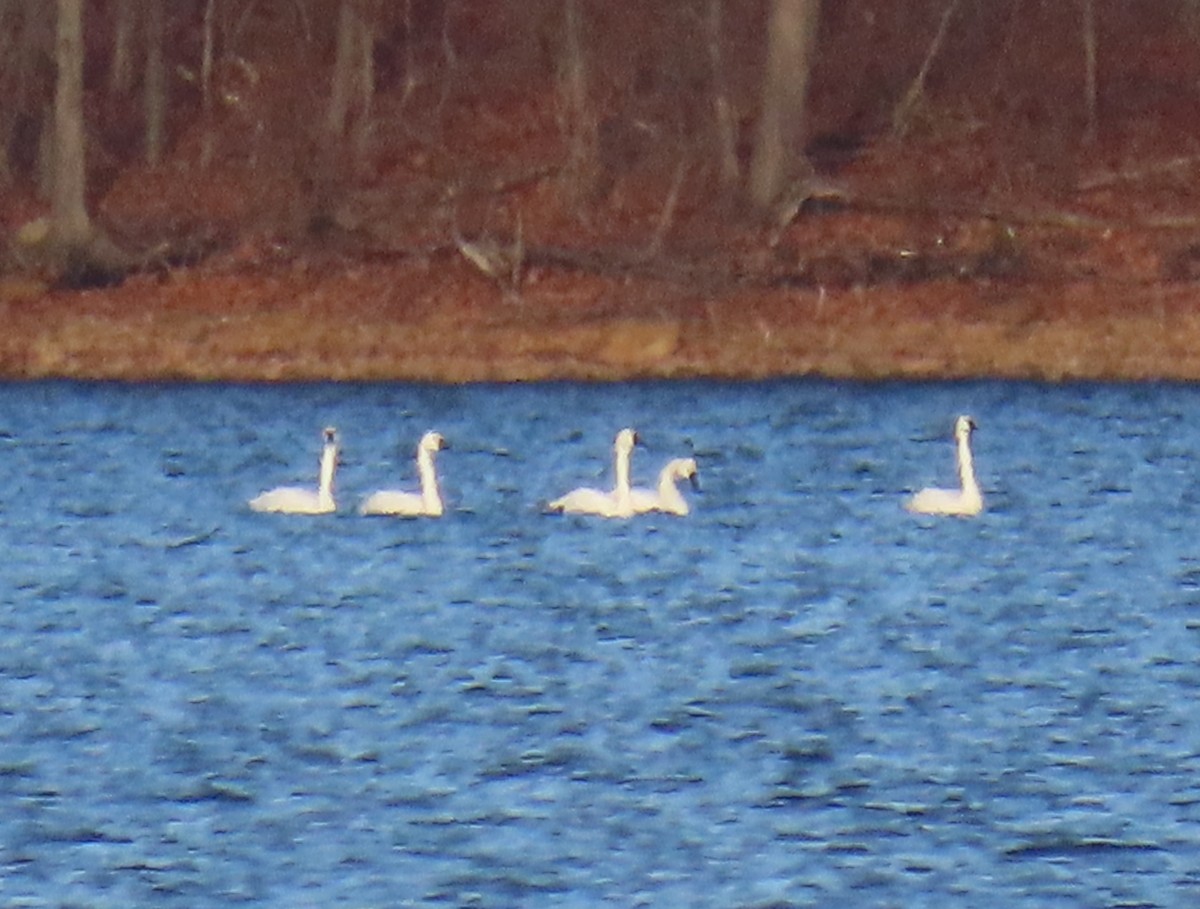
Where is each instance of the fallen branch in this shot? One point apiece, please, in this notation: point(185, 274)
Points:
point(856, 268)
point(1138, 174)
point(1020, 217)
point(667, 216)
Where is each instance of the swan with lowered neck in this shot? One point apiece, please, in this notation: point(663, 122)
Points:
point(302, 500)
point(667, 497)
point(615, 504)
point(965, 501)
point(427, 502)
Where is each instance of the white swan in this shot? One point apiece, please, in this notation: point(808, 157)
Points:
point(964, 501)
point(301, 500)
point(615, 504)
point(427, 502)
point(667, 497)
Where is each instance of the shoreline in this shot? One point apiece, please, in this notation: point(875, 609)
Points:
point(190, 330)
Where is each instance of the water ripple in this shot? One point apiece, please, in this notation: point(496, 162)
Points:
point(798, 696)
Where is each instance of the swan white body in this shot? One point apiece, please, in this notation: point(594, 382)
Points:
point(300, 499)
point(667, 497)
point(615, 504)
point(965, 501)
point(426, 503)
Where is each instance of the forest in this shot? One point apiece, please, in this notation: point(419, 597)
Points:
point(588, 188)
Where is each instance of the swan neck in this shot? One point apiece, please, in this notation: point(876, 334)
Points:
point(430, 496)
point(966, 466)
point(668, 490)
point(622, 490)
point(328, 468)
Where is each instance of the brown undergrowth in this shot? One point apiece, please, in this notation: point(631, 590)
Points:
point(991, 240)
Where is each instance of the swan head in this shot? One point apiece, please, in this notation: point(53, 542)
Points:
point(331, 451)
point(964, 426)
point(626, 439)
point(433, 441)
point(685, 469)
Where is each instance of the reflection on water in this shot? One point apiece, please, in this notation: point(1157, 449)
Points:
point(798, 695)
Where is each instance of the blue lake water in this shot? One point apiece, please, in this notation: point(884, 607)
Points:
point(800, 695)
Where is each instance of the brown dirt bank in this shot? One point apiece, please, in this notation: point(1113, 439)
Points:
point(437, 321)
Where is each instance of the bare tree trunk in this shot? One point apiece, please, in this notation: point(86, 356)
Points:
point(156, 83)
point(72, 228)
point(27, 36)
point(120, 71)
point(344, 63)
point(449, 56)
point(578, 119)
point(352, 94)
point(723, 118)
point(1089, 82)
point(366, 86)
point(778, 149)
point(411, 79)
point(206, 72)
point(16, 49)
point(353, 70)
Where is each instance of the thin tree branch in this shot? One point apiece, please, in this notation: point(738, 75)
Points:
point(902, 117)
